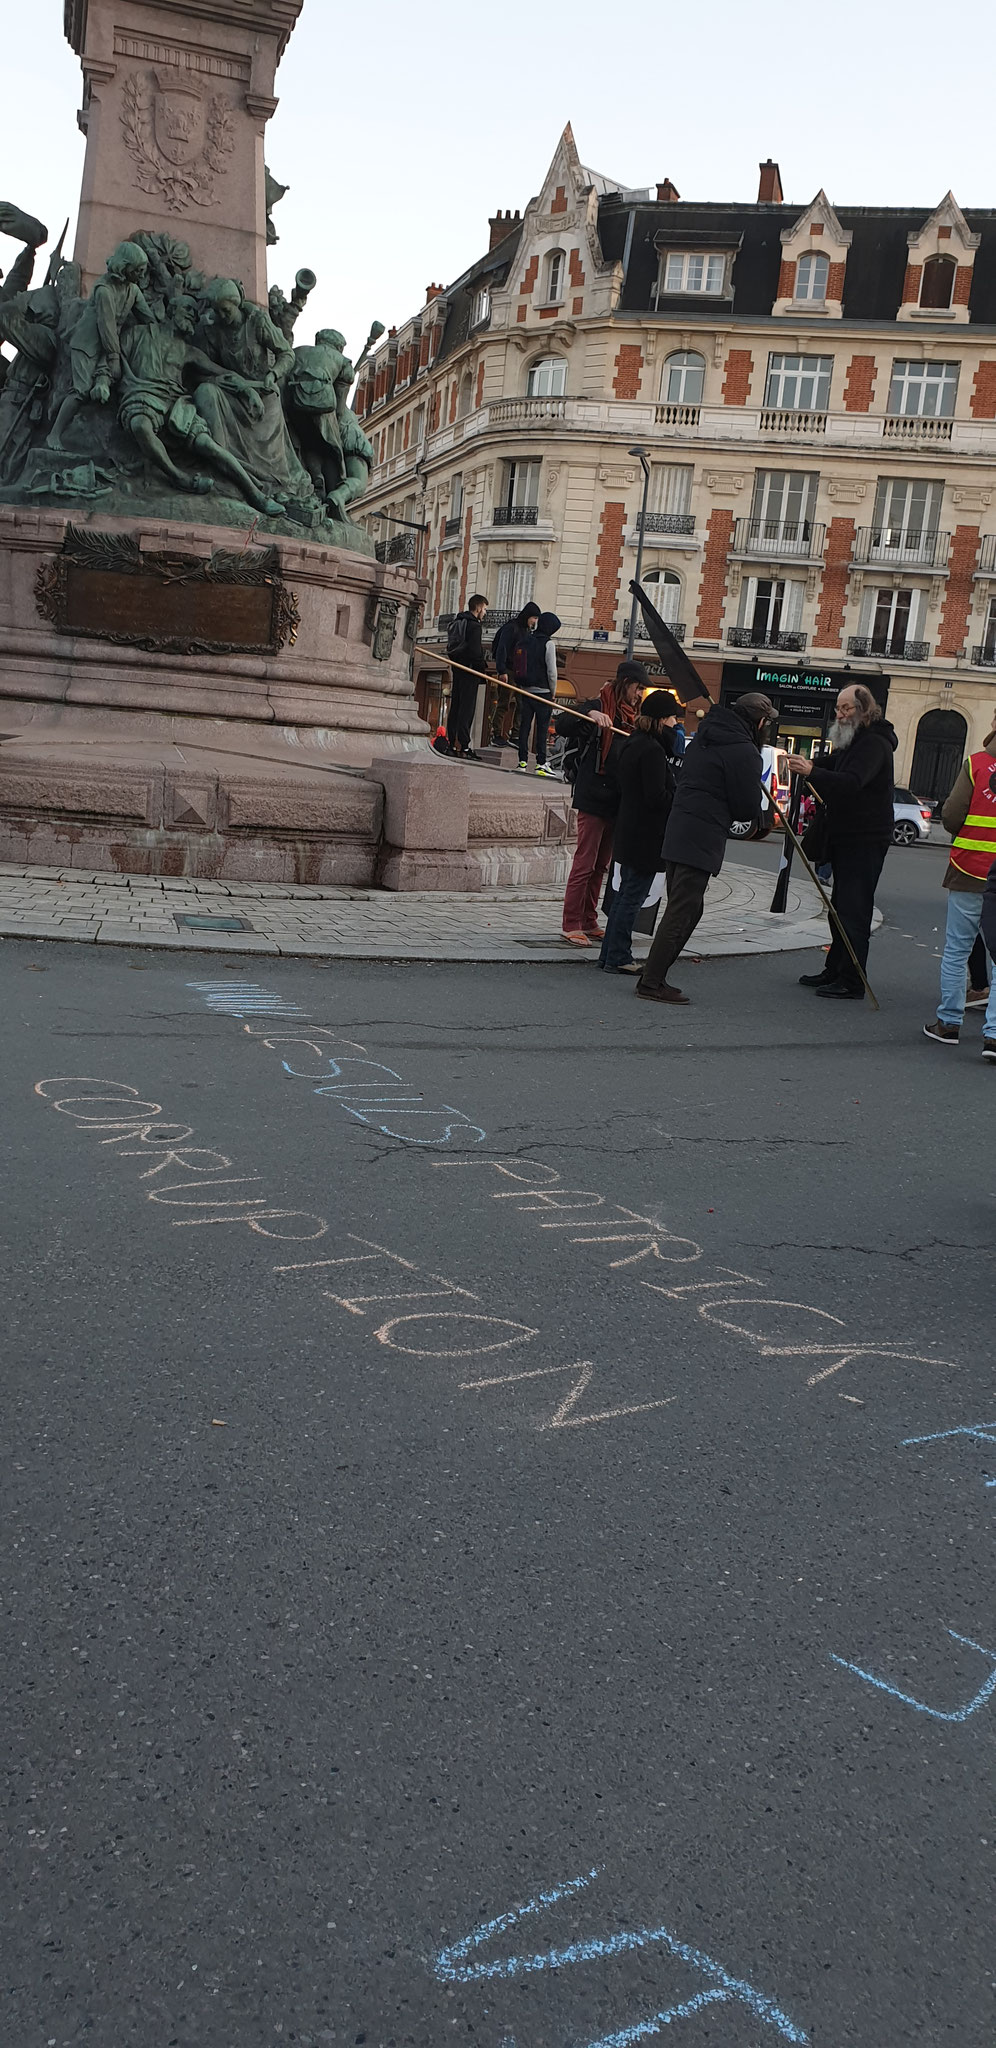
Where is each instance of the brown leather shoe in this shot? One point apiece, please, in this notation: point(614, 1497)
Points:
point(664, 994)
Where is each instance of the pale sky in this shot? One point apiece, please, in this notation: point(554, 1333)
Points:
point(401, 132)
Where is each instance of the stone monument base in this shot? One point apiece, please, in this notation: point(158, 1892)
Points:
point(135, 742)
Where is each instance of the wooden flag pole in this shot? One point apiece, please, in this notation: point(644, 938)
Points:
point(831, 912)
point(480, 677)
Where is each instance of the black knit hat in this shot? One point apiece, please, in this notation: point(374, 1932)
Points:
point(659, 704)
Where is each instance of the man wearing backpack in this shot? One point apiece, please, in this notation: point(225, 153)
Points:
point(465, 646)
point(590, 762)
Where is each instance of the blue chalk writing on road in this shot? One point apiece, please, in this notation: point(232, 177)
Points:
point(451, 1966)
point(245, 999)
point(962, 1713)
point(979, 1432)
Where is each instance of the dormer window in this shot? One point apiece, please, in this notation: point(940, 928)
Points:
point(482, 308)
point(812, 272)
point(937, 283)
point(554, 278)
point(690, 272)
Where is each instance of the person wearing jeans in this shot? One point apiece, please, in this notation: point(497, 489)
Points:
point(969, 814)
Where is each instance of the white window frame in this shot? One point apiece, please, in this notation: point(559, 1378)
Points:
point(892, 602)
point(790, 376)
point(670, 487)
point(520, 481)
point(692, 273)
point(515, 585)
point(547, 377)
point(451, 589)
point(687, 368)
point(905, 509)
point(669, 590)
point(817, 265)
point(482, 307)
point(456, 495)
point(554, 277)
point(922, 390)
point(989, 631)
point(783, 506)
point(784, 599)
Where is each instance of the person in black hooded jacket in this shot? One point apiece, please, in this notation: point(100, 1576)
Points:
point(856, 784)
point(646, 793)
point(720, 780)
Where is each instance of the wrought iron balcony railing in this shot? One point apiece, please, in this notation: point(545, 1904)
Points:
point(752, 636)
point(515, 515)
point(886, 648)
point(451, 528)
point(399, 547)
point(666, 522)
point(677, 627)
point(906, 548)
point(983, 656)
point(801, 539)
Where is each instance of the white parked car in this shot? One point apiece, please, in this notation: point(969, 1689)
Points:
point(912, 815)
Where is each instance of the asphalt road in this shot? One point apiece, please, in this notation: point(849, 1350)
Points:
point(450, 1509)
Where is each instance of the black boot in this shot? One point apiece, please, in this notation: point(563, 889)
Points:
point(816, 980)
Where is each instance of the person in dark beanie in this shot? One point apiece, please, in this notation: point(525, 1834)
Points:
point(465, 645)
point(508, 652)
point(646, 792)
point(541, 681)
point(856, 784)
point(590, 761)
point(720, 780)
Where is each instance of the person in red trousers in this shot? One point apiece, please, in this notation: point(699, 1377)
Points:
point(590, 760)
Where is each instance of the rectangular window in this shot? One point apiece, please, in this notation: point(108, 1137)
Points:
point(782, 507)
point(690, 273)
point(890, 618)
point(521, 483)
point(906, 509)
point(515, 585)
point(989, 637)
point(771, 605)
point(798, 383)
point(456, 495)
point(670, 487)
point(924, 391)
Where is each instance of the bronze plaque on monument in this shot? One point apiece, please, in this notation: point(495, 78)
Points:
point(103, 587)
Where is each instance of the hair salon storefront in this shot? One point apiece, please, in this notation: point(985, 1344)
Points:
point(804, 698)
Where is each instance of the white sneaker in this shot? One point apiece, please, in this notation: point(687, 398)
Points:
point(522, 767)
point(543, 769)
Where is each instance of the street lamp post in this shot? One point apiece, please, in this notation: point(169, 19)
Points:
point(645, 466)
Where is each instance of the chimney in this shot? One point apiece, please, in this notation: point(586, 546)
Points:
point(432, 291)
point(502, 224)
point(667, 193)
point(769, 191)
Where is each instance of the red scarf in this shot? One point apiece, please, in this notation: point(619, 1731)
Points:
point(611, 700)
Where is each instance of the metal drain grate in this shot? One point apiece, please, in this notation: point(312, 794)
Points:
point(211, 924)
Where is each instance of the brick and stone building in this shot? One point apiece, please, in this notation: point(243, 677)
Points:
point(815, 391)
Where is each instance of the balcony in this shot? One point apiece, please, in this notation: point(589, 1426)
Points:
point(666, 522)
point(673, 626)
point(779, 539)
point(775, 420)
point(984, 656)
point(914, 429)
point(399, 547)
point(892, 548)
point(752, 636)
point(884, 649)
point(505, 412)
point(515, 515)
point(678, 416)
point(451, 531)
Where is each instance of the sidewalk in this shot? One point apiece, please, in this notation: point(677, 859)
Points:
point(369, 924)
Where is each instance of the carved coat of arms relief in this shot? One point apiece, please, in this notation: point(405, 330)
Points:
point(178, 135)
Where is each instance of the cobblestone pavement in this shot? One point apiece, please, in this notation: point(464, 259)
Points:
point(369, 924)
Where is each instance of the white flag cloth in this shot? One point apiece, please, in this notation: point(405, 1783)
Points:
point(654, 893)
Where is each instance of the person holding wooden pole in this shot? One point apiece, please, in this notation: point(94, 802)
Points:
point(856, 785)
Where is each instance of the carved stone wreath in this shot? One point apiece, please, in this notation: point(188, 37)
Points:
point(178, 145)
point(70, 595)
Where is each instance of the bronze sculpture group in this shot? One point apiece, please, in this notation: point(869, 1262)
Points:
point(162, 381)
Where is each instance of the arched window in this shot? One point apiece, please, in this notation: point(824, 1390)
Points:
point(937, 283)
point(665, 589)
point(811, 273)
point(554, 277)
point(466, 396)
point(547, 378)
point(941, 739)
point(682, 379)
point(451, 591)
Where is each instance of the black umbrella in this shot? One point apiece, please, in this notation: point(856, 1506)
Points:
point(681, 672)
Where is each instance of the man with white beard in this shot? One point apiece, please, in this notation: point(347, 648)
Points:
point(856, 784)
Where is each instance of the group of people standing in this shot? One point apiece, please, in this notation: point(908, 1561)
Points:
point(523, 653)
